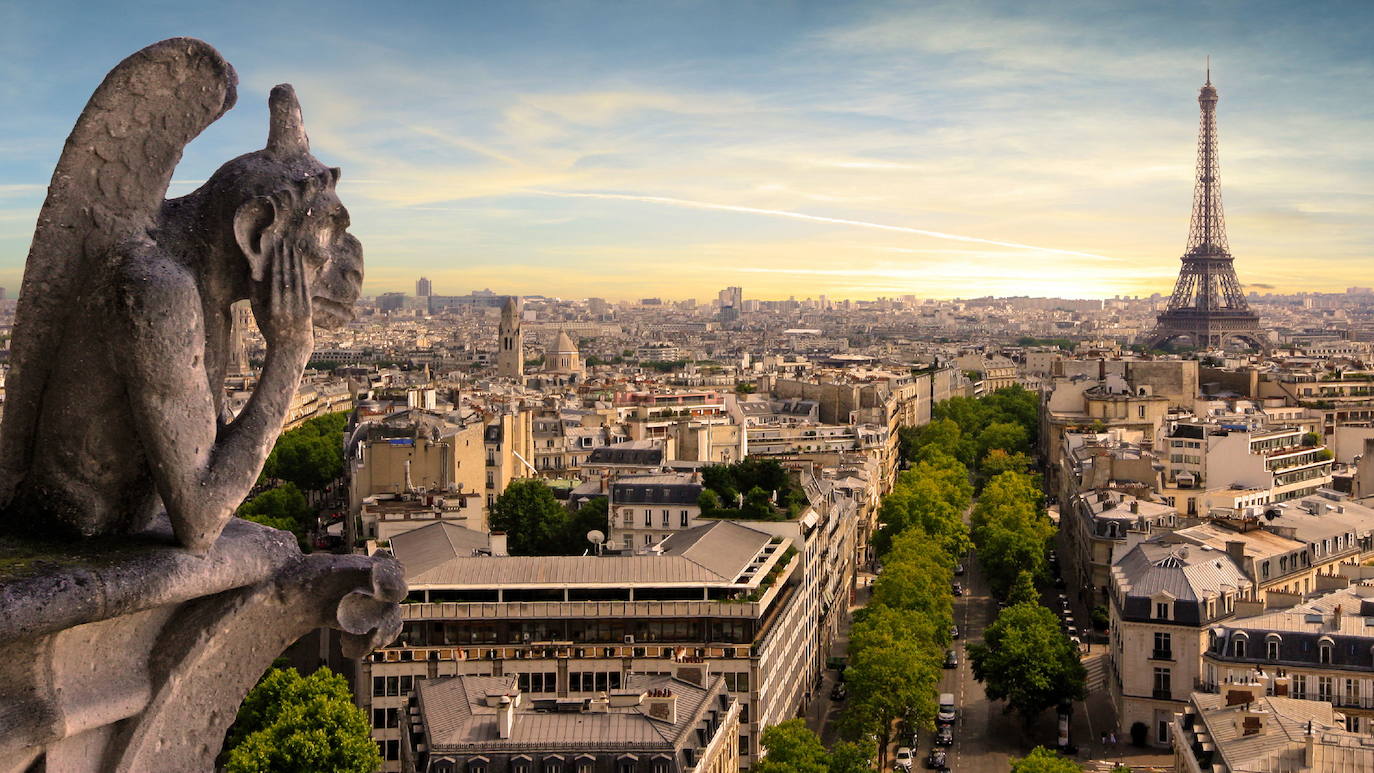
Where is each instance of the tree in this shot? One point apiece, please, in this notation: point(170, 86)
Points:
point(282, 508)
point(1042, 760)
point(592, 515)
point(998, 461)
point(294, 724)
point(310, 456)
point(792, 748)
point(533, 520)
point(897, 681)
point(1027, 661)
point(1007, 436)
point(1023, 590)
point(849, 757)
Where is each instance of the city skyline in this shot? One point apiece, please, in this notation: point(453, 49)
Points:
point(584, 150)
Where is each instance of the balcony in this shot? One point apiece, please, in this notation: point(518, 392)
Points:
point(1162, 655)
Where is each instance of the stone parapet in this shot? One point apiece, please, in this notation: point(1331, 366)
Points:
point(133, 654)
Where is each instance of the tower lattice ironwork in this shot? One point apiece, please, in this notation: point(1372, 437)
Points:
point(1208, 306)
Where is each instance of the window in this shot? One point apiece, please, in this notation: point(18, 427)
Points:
point(393, 685)
point(378, 686)
point(1162, 610)
point(407, 682)
point(1164, 648)
point(1238, 647)
point(1324, 688)
point(393, 750)
point(683, 516)
point(648, 539)
point(625, 765)
point(1271, 649)
point(1300, 686)
point(1324, 653)
point(648, 518)
point(1163, 677)
point(393, 717)
point(1162, 730)
point(379, 718)
point(520, 765)
point(1141, 411)
point(553, 765)
point(665, 519)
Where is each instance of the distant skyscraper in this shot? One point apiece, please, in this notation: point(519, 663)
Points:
point(1207, 306)
point(731, 298)
point(423, 287)
point(510, 358)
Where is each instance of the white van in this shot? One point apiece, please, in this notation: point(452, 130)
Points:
point(946, 712)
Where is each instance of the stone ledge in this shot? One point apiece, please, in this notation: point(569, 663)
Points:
point(47, 586)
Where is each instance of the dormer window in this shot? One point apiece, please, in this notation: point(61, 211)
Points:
point(1324, 653)
point(1163, 610)
point(1271, 647)
point(1238, 647)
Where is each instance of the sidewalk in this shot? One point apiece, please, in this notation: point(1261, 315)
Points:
point(822, 712)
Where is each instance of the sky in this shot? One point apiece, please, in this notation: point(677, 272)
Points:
point(640, 149)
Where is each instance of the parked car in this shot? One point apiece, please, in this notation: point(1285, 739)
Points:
point(958, 570)
point(951, 659)
point(938, 760)
point(945, 735)
point(957, 589)
point(954, 632)
point(903, 760)
point(839, 692)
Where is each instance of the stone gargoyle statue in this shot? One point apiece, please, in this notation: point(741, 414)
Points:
point(121, 338)
point(128, 638)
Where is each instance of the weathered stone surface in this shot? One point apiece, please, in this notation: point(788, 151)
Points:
point(136, 661)
point(135, 612)
point(124, 312)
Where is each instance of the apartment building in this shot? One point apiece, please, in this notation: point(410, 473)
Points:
point(652, 724)
point(1210, 465)
point(1319, 650)
point(411, 467)
point(1249, 731)
point(744, 602)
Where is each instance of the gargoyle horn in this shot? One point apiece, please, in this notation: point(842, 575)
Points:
point(286, 135)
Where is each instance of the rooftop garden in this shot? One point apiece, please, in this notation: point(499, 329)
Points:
point(751, 489)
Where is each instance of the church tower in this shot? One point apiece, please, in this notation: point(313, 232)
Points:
point(510, 358)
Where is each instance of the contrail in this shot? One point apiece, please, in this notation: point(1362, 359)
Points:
point(816, 219)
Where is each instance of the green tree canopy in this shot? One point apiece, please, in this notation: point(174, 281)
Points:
point(792, 748)
point(1042, 760)
point(294, 724)
point(535, 523)
point(1027, 661)
point(310, 456)
point(283, 507)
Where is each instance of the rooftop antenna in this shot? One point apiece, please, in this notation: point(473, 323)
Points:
point(1209, 69)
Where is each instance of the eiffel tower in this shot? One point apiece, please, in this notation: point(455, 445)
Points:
point(1207, 306)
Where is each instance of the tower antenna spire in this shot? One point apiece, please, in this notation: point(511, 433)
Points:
point(1209, 69)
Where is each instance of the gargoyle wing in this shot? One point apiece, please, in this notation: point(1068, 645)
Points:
point(109, 184)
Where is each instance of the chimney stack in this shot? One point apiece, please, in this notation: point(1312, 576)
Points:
point(662, 705)
point(1236, 550)
point(505, 717)
point(497, 541)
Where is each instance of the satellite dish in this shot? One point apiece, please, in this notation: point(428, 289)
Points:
point(596, 537)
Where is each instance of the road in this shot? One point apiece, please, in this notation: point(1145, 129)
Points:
point(984, 737)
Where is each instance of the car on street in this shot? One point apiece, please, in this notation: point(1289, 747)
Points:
point(903, 761)
point(946, 713)
point(958, 570)
point(951, 659)
point(957, 589)
point(839, 692)
point(954, 632)
point(945, 736)
point(938, 760)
